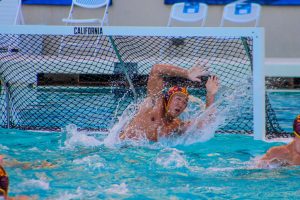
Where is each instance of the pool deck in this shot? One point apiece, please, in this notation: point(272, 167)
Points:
point(282, 67)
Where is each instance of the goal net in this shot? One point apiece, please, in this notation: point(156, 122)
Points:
point(55, 76)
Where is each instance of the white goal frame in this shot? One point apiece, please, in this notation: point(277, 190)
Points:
point(259, 108)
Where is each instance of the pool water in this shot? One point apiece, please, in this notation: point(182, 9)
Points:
point(84, 167)
point(221, 168)
point(286, 106)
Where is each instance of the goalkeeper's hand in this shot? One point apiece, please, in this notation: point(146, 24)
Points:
point(200, 69)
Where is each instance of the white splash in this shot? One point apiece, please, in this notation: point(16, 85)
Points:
point(203, 127)
point(2, 147)
point(69, 196)
point(171, 158)
point(222, 169)
point(80, 193)
point(34, 149)
point(75, 138)
point(94, 161)
point(113, 137)
point(204, 124)
point(35, 184)
point(257, 163)
point(118, 189)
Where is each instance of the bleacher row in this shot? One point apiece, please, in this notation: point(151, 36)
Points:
point(187, 12)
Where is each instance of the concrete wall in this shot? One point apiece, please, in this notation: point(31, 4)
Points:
point(281, 23)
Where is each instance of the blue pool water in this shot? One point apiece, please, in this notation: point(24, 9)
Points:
point(286, 106)
point(85, 168)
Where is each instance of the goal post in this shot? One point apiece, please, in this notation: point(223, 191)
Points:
point(43, 81)
point(259, 89)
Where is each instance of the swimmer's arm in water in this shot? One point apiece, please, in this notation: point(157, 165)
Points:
point(275, 155)
point(26, 165)
point(275, 152)
point(155, 83)
point(13, 163)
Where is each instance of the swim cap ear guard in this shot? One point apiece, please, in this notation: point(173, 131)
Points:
point(296, 126)
point(170, 93)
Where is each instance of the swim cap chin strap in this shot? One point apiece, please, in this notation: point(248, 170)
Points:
point(171, 92)
point(296, 134)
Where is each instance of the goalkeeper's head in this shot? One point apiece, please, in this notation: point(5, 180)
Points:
point(175, 100)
